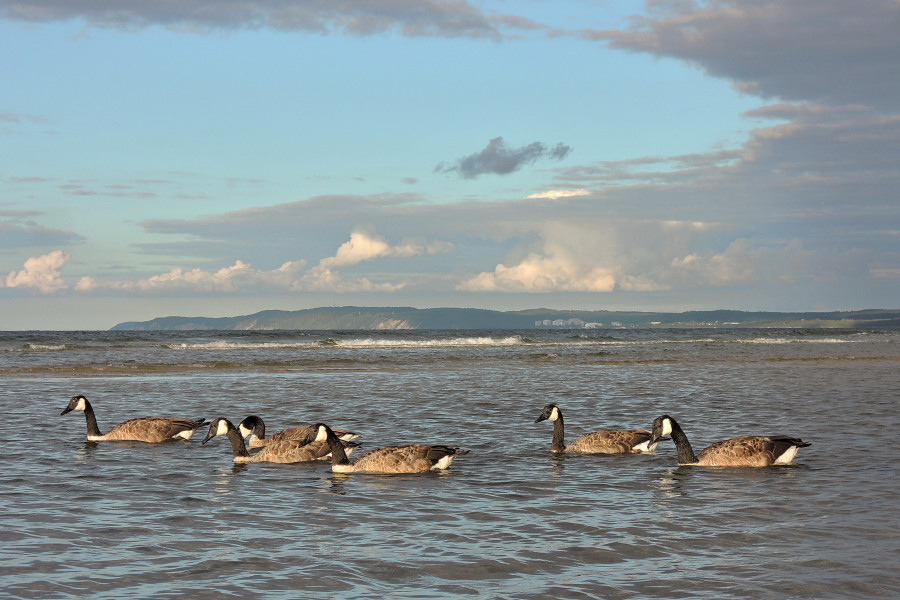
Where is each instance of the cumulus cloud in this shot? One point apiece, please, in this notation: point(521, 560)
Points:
point(499, 159)
point(416, 18)
point(235, 278)
point(364, 246)
point(41, 273)
point(567, 257)
point(537, 273)
point(647, 256)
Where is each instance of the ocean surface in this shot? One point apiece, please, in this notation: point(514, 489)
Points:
point(508, 520)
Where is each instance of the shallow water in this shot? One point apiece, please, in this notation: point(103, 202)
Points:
point(508, 520)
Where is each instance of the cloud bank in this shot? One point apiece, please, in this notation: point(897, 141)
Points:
point(823, 51)
point(415, 18)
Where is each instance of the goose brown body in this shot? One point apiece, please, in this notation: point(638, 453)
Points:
point(142, 429)
point(255, 427)
point(608, 441)
point(284, 451)
point(741, 451)
point(416, 458)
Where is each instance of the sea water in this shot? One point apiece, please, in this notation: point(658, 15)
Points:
point(508, 520)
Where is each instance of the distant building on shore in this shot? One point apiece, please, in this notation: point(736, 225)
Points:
point(572, 323)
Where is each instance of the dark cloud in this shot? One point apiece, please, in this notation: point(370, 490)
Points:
point(828, 177)
point(15, 233)
point(824, 51)
point(437, 18)
point(499, 159)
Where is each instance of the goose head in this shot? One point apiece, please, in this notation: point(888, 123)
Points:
point(78, 402)
point(249, 425)
point(319, 433)
point(550, 413)
point(662, 428)
point(217, 427)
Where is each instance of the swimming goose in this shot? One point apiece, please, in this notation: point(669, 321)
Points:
point(144, 429)
point(284, 451)
point(389, 459)
point(256, 429)
point(742, 451)
point(634, 441)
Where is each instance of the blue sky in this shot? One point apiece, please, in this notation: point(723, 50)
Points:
point(219, 157)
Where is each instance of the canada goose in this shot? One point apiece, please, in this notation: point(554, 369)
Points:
point(635, 441)
point(389, 459)
point(256, 429)
point(285, 451)
point(144, 429)
point(742, 451)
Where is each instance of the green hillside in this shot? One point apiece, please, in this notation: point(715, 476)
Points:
point(391, 318)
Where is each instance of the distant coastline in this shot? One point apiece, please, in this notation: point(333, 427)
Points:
point(400, 318)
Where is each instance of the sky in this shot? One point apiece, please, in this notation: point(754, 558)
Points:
point(222, 157)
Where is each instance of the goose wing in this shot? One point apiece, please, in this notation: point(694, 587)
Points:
point(300, 433)
point(292, 451)
point(154, 429)
point(742, 451)
point(615, 441)
point(292, 433)
point(406, 459)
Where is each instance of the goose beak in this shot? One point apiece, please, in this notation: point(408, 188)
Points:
point(66, 410)
point(210, 435)
point(542, 417)
point(656, 436)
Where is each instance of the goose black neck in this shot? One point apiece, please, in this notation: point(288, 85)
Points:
point(237, 442)
point(558, 444)
point(686, 454)
point(338, 455)
point(92, 427)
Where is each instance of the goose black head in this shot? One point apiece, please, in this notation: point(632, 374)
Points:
point(662, 428)
point(78, 402)
point(252, 424)
point(217, 427)
point(550, 413)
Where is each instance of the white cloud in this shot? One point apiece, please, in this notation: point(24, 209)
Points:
point(323, 279)
point(543, 273)
point(627, 255)
point(568, 257)
point(238, 277)
point(738, 264)
point(555, 194)
point(41, 273)
point(364, 247)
